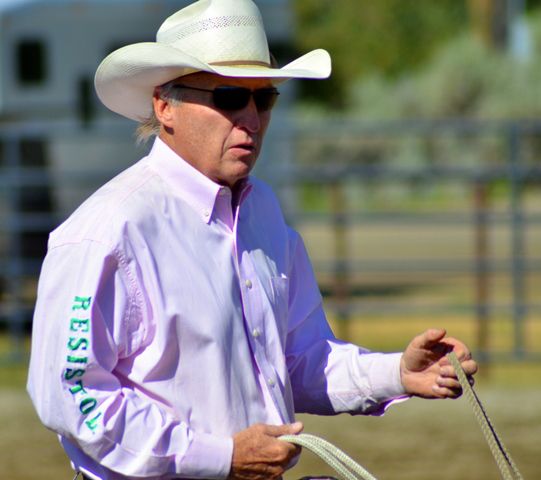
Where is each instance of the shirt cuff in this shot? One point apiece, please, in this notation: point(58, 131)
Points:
point(384, 377)
point(208, 456)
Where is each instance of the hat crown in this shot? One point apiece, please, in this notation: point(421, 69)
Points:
point(221, 37)
point(208, 31)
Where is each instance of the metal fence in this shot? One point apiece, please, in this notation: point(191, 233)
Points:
point(496, 164)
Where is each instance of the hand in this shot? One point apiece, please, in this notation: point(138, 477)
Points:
point(425, 370)
point(258, 454)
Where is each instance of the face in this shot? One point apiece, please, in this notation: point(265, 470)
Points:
point(223, 145)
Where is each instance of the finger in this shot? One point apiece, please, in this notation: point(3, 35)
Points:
point(460, 350)
point(294, 452)
point(288, 429)
point(270, 471)
point(429, 339)
point(470, 367)
point(445, 392)
point(448, 382)
point(285, 452)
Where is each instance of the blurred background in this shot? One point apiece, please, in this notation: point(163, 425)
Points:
point(413, 174)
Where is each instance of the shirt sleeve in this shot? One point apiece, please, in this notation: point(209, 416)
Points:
point(329, 376)
point(89, 316)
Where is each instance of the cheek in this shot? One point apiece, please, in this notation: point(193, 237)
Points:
point(207, 131)
point(264, 118)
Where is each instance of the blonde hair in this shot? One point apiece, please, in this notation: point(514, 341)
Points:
point(151, 126)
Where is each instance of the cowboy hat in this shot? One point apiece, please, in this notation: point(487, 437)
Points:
point(224, 37)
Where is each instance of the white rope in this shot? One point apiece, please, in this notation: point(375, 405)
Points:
point(348, 469)
point(345, 466)
point(507, 467)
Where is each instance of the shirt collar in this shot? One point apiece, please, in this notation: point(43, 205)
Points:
point(199, 191)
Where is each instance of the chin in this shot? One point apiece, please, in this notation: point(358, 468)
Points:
point(237, 178)
point(245, 165)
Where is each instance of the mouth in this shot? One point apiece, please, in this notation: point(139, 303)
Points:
point(246, 147)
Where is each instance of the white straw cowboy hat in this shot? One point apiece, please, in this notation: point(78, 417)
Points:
point(225, 37)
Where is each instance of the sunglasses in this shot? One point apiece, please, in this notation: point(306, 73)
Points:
point(231, 98)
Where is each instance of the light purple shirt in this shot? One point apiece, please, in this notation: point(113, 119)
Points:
point(167, 321)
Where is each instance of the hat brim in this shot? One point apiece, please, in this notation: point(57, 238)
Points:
point(126, 79)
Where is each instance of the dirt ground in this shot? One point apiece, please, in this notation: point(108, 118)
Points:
point(426, 440)
point(418, 439)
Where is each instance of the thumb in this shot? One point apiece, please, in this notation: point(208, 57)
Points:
point(288, 429)
point(430, 338)
point(296, 427)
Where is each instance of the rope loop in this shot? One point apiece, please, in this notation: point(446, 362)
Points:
point(345, 466)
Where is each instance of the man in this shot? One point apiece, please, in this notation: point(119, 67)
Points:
point(178, 326)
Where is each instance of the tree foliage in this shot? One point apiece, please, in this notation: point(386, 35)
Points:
point(464, 79)
point(388, 36)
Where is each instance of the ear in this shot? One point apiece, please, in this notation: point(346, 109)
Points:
point(163, 109)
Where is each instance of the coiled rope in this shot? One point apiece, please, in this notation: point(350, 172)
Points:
point(349, 469)
point(342, 464)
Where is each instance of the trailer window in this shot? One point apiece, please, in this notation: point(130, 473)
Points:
point(31, 62)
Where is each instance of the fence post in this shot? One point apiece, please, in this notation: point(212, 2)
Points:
point(518, 270)
point(340, 287)
point(14, 264)
point(482, 266)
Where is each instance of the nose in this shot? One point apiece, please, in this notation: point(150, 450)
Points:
point(249, 118)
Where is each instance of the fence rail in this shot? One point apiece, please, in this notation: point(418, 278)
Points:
point(516, 162)
point(27, 182)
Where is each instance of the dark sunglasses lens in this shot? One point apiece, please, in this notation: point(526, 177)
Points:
point(236, 98)
point(265, 98)
point(231, 98)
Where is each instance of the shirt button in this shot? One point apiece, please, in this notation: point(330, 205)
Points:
point(206, 213)
point(256, 333)
point(271, 382)
point(248, 284)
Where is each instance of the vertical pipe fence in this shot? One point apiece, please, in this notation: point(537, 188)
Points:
point(367, 150)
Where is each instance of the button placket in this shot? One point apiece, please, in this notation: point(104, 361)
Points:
point(255, 331)
point(253, 317)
